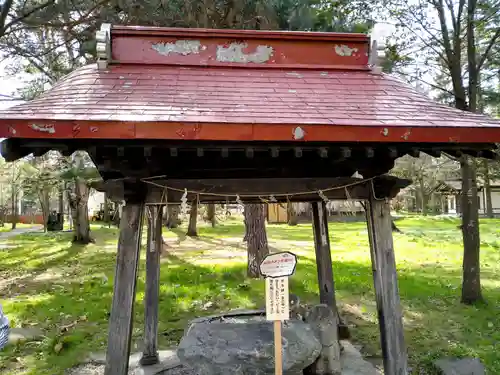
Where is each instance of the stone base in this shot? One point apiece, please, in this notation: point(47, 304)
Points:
point(351, 360)
point(168, 361)
point(353, 363)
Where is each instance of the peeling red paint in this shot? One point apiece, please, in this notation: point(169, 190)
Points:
point(221, 48)
point(406, 135)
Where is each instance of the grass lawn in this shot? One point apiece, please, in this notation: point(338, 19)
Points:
point(65, 290)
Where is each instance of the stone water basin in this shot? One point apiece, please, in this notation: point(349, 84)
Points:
point(242, 343)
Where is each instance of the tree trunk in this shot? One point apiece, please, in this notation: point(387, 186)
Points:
point(173, 216)
point(487, 190)
point(257, 248)
point(292, 214)
point(471, 283)
point(423, 198)
point(61, 205)
point(69, 205)
point(105, 216)
point(211, 214)
point(81, 231)
point(245, 237)
point(193, 216)
point(44, 198)
point(14, 216)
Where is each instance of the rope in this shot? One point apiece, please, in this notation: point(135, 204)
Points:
point(362, 181)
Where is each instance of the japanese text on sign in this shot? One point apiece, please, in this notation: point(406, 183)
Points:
point(277, 301)
point(278, 265)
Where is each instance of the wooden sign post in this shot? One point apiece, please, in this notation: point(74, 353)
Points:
point(276, 268)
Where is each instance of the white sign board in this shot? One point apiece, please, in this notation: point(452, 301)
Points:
point(278, 265)
point(277, 300)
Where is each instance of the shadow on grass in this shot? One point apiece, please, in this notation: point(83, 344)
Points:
point(436, 324)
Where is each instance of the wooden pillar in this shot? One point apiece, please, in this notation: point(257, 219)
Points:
point(323, 255)
point(120, 321)
point(151, 297)
point(386, 287)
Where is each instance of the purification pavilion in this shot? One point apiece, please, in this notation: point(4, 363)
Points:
point(242, 115)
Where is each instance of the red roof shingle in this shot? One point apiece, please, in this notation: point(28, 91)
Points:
point(247, 102)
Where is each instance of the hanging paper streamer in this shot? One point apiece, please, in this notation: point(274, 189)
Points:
point(272, 199)
point(350, 203)
point(323, 196)
point(228, 213)
point(184, 205)
point(238, 200)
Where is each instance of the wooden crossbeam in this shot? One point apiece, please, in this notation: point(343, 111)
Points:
point(260, 190)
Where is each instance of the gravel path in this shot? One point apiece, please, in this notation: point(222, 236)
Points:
point(18, 231)
point(96, 369)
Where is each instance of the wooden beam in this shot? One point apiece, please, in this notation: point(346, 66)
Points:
point(370, 152)
point(283, 189)
point(414, 152)
point(386, 287)
point(11, 149)
point(151, 297)
point(346, 152)
point(433, 152)
point(121, 318)
point(323, 255)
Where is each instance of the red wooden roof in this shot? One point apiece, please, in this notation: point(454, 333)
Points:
point(240, 85)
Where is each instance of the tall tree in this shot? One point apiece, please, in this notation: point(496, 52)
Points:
point(42, 179)
point(17, 177)
point(79, 173)
point(256, 237)
point(211, 214)
point(193, 218)
point(442, 44)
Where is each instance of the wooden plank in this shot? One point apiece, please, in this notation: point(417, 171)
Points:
point(323, 255)
point(386, 287)
point(120, 322)
point(151, 297)
point(278, 349)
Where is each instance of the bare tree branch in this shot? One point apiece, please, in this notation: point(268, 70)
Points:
point(492, 42)
point(430, 84)
point(27, 14)
point(4, 12)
